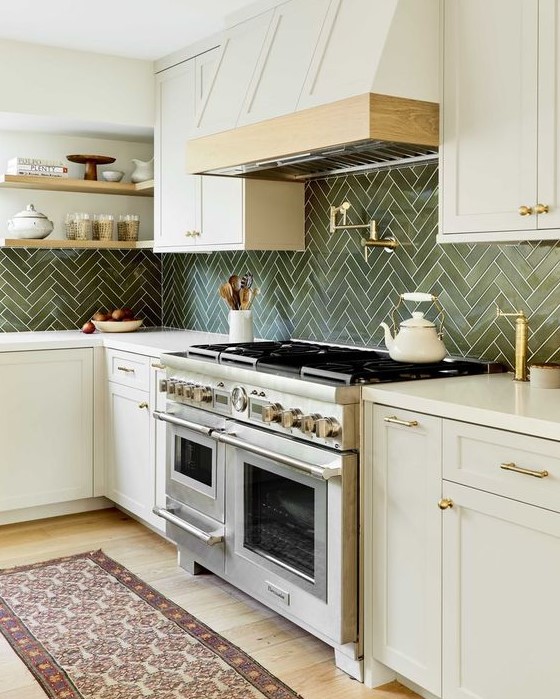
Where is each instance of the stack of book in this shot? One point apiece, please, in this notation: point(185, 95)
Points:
point(36, 167)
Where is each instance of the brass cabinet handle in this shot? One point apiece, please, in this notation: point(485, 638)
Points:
point(526, 471)
point(541, 209)
point(125, 369)
point(192, 234)
point(525, 210)
point(157, 366)
point(143, 405)
point(445, 503)
point(405, 423)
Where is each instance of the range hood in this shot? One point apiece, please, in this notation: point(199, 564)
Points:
point(313, 88)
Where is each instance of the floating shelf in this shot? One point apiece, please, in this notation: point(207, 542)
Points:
point(76, 244)
point(65, 184)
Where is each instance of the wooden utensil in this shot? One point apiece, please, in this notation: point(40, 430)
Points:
point(245, 298)
point(226, 292)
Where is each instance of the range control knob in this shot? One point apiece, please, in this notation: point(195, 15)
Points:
point(163, 385)
point(202, 394)
point(179, 389)
point(272, 412)
point(291, 418)
point(171, 387)
point(308, 422)
point(239, 398)
point(188, 390)
point(327, 427)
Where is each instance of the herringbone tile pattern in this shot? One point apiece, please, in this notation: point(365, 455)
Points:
point(330, 293)
point(61, 289)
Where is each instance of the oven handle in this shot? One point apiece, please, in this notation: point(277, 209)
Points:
point(212, 539)
point(324, 472)
point(168, 417)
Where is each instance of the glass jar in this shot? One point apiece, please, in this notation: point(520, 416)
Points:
point(70, 226)
point(83, 226)
point(128, 226)
point(103, 225)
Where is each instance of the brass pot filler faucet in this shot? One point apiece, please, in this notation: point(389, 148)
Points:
point(521, 342)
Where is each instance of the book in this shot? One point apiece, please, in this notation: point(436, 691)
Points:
point(38, 170)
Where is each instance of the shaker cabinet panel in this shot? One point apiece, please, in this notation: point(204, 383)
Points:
point(403, 576)
point(500, 150)
point(500, 597)
point(46, 427)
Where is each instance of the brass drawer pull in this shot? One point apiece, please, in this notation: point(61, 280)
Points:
point(125, 369)
point(143, 405)
point(445, 503)
point(405, 423)
point(526, 471)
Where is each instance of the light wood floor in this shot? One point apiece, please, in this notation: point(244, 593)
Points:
point(303, 662)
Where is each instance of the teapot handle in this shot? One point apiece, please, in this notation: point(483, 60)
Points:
point(417, 296)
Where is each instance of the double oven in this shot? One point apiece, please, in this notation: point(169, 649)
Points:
point(275, 517)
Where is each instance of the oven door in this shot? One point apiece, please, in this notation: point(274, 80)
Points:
point(292, 528)
point(195, 461)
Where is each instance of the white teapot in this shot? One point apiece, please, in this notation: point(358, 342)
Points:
point(417, 341)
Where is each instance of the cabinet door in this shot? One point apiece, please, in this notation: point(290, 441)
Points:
point(489, 139)
point(176, 193)
point(221, 211)
point(130, 472)
point(159, 433)
point(282, 68)
point(405, 561)
point(46, 427)
point(549, 113)
point(500, 588)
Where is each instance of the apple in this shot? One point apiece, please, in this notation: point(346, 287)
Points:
point(128, 313)
point(88, 328)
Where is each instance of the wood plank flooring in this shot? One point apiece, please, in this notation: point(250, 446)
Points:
point(302, 661)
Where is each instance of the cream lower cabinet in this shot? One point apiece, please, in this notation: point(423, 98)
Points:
point(461, 572)
point(402, 475)
point(134, 456)
point(46, 427)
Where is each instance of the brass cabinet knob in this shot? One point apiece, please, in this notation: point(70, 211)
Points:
point(444, 504)
point(541, 209)
point(143, 405)
point(525, 210)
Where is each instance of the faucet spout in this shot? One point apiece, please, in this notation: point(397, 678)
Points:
point(521, 342)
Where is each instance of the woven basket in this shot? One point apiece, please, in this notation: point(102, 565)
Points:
point(128, 230)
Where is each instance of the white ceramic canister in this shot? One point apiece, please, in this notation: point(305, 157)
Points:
point(544, 375)
point(241, 326)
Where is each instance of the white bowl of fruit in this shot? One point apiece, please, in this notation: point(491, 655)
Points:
point(121, 320)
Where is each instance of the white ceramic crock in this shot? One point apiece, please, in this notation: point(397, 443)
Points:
point(29, 224)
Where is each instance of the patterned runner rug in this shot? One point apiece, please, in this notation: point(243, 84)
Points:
point(87, 628)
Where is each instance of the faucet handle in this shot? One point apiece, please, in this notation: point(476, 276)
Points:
point(502, 314)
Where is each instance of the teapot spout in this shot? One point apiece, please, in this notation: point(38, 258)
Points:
point(388, 337)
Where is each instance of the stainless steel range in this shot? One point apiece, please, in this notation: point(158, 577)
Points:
point(263, 472)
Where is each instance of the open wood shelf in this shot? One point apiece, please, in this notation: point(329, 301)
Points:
point(65, 184)
point(76, 244)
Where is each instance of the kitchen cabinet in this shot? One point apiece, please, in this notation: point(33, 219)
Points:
point(402, 474)
point(500, 157)
point(134, 457)
point(491, 563)
point(204, 213)
point(46, 427)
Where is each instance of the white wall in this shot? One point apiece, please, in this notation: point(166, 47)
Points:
point(76, 85)
point(56, 205)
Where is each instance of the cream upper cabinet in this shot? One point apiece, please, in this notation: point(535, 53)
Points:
point(196, 213)
point(500, 123)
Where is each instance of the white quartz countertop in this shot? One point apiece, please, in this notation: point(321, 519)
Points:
point(147, 341)
point(493, 400)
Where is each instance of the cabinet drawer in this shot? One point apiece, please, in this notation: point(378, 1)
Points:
point(128, 369)
point(513, 465)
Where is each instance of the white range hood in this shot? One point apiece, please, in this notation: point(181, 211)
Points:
point(315, 87)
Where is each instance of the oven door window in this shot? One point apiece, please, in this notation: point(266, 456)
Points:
point(195, 471)
point(284, 523)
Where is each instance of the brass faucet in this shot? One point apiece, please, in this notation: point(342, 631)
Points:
point(521, 342)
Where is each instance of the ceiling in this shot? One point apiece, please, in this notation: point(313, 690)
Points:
point(145, 29)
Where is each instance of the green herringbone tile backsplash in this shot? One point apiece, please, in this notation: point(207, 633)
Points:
point(330, 293)
point(61, 289)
